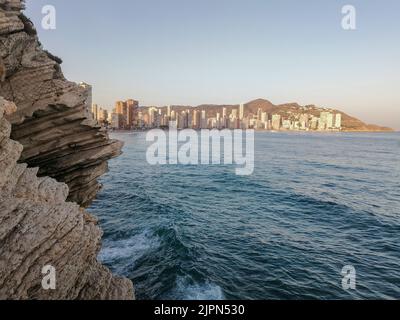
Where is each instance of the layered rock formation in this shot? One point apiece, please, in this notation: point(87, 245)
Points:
point(52, 120)
point(56, 139)
point(39, 228)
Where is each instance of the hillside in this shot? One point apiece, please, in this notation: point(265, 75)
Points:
point(349, 123)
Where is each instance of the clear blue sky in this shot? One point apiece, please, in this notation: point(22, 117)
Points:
point(228, 51)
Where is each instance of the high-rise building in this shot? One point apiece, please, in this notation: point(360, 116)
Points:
point(132, 112)
point(169, 112)
point(338, 121)
point(224, 113)
point(196, 120)
point(287, 124)
point(259, 113)
point(314, 123)
point(241, 112)
point(203, 124)
point(323, 121)
point(119, 107)
point(304, 121)
point(95, 111)
point(152, 116)
point(276, 122)
point(264, 117)
point(329, 121)
point(117, 121)
point(129, 110)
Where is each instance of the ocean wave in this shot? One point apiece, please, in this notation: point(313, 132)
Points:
point(187, 289)
point(132, 248)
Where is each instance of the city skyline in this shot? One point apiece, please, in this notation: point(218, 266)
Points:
point(127, 115)
point(206, 52)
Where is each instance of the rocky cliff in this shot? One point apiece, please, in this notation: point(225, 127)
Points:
point(48, 172)
point(52, 121)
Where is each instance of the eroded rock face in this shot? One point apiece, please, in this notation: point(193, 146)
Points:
point(39, 228)
point(52, 120)
point(52, 137)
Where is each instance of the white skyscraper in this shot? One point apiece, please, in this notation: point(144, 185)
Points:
point(329, 121)
point(95, 111)
point(203, 120)
point(276, 122)
point(241, 112)
point(224, 113)
point(264, 117)
point(338, 122)
point(323, 121)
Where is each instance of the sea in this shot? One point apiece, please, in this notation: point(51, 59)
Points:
point(316, 206)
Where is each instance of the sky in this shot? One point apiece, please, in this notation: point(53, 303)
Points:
point(190, 52)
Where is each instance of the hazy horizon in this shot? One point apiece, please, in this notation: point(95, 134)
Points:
point(228, 52)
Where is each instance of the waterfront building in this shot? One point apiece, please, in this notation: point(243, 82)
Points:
point(203, 124)
point(132, 112)
point(169, 112)
point(276, 122)
point(259, 114)
point(241, 112)
point(287, 124)
point(304, 121)
point(119, 107)
point(196, 120)
point(314, 123)
point(95, 111)
point(329, 121)
point(152, 116)
point(103, 115)
point(323, 121)
point(264, 117)
point(234, 114)
point(117, 121)
point(338, 121)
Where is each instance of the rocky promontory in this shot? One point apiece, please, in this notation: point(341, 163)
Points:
point(51, 155)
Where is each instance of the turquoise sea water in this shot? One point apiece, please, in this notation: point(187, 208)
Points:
point(315, 203)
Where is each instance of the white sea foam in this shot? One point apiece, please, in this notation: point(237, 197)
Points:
point(197, 291)
point(132, 248)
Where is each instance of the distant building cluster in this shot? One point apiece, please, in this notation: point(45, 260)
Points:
point(127, 115)
point(100, 114)
point(155, 117)
point(123, 116)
